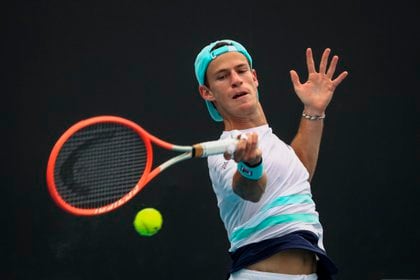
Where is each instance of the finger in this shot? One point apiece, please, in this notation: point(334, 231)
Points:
point(243, 137)
point(295, 78)
point(310, 61)
point(240, 150)
point(251, 144)
point(340, 78)
point(254, 141)
point(324, 61)
point(332, 67)
point(253, 154)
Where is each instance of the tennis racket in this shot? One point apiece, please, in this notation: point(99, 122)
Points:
point(100, 163)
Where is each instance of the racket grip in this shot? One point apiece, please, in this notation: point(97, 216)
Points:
point(206, 149)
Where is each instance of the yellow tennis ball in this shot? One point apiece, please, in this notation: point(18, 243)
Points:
point(148, 221)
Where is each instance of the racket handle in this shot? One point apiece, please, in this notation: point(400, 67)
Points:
point(206, 149)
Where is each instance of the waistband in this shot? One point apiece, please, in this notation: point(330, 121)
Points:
point(260, 275)
point(253, 253)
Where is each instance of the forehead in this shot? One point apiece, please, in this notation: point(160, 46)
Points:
point(226, 61)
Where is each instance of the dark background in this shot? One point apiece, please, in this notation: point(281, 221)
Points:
point(68, 60)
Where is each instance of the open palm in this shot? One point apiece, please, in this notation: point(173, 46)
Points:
point(317, 92)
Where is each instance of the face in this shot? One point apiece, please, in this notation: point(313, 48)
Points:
point(232, 85)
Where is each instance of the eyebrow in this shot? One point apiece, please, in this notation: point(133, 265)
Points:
point(235, 67)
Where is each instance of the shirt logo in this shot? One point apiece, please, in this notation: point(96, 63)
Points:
point(224, 165)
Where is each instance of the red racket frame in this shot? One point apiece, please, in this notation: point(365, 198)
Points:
point(148, 174)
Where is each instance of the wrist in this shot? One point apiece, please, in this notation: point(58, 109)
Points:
point(252, 172)
point(313, 117)
point(314, 111)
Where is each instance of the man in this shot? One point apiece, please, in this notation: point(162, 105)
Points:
point(264, 193)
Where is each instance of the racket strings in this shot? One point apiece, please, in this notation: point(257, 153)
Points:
point(99, 164)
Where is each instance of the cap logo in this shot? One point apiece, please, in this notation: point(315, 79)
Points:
point(222, 50)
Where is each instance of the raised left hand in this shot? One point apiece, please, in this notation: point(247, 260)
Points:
point(317, 92)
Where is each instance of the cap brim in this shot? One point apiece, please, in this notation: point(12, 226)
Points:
point(213, 112)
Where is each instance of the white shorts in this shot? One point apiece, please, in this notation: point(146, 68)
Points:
point(246, 274)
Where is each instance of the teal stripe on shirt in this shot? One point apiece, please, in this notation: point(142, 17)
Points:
point(289, 199)
point(242, 233)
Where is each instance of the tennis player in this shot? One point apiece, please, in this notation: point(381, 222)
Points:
point(263, 188)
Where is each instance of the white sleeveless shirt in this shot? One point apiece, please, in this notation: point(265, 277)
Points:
point(285, 207)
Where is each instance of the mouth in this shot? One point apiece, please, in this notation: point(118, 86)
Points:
point(239, 94)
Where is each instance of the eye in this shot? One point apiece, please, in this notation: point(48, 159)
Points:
point(221, 77)
point(243, 70)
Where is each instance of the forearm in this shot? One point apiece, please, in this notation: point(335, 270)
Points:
point(307, 142)
point(315, 94)
point(247, 189)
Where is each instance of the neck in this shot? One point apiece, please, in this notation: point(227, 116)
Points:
point(244, 122)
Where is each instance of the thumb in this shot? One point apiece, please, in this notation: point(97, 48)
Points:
point(295, 78)
point(227, 155)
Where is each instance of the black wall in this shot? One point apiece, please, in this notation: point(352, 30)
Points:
point(68, 60)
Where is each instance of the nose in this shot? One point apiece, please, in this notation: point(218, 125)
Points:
point(236, 79)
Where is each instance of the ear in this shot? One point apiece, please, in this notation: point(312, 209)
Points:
point(206, 93)
point(254, 77)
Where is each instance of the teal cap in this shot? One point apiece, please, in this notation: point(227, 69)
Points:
point(206, 56)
